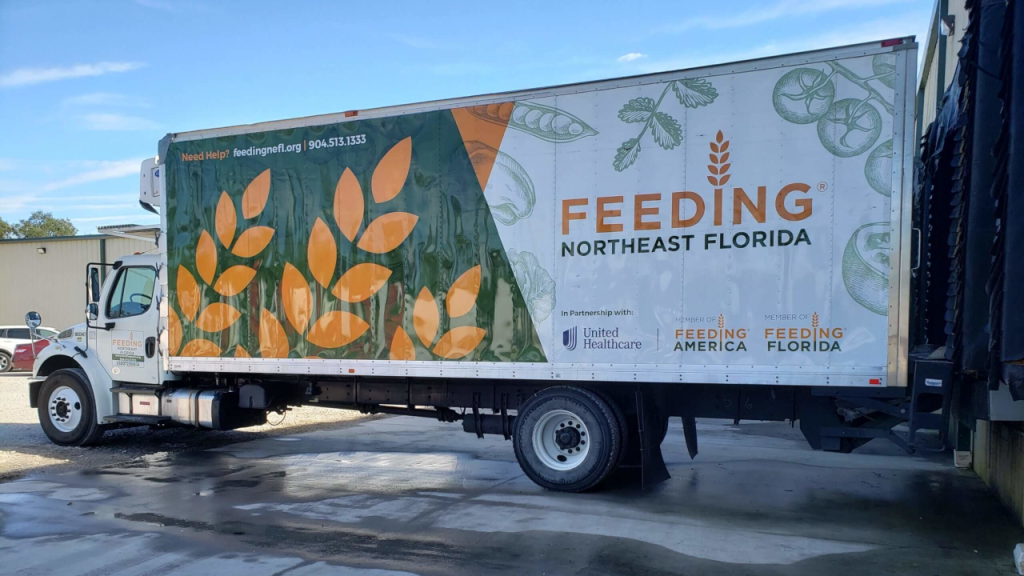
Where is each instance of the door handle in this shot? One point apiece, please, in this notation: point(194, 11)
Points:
point(150, 346)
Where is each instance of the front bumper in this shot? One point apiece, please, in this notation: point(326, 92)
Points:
point(33, 393)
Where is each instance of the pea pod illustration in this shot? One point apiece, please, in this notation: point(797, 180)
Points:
point(535, 283)
point(544, 122)
point(510, 192)
point(866, 266)
point(878, 168)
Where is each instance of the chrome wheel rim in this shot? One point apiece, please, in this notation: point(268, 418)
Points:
point(65, 409)
point(3, 362)
point(561, 440)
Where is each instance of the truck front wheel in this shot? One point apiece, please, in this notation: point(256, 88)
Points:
point(567, 439)
point(67, 412)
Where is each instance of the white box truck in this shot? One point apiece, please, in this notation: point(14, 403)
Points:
point(569, 267)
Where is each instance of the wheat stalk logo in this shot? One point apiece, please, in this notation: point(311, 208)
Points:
point(719, 157)
point(721, 324)
point(814, 326)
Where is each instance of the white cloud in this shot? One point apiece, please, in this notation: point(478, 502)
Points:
point(768, 12)
point(105, 99)
point(15, 204)
point(118, 122)
point(103, 170)
point(27, 76)
point(630, 57)
point(19, 197)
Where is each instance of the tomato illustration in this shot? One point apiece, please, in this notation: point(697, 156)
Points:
point(884, 68)
point(878, 168)
point(866, 266)
point(803, 96)
point(850, 127)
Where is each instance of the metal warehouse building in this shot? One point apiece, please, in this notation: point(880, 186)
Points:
point(969, 122)
point(48, 274)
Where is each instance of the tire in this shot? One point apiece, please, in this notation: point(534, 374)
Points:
point(621, 418)
point(5, 362)
point(590, 445)
point(67, 411)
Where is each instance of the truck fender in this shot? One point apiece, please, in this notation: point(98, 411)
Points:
point(63, 355)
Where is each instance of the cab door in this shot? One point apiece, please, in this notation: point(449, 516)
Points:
point(127, 347)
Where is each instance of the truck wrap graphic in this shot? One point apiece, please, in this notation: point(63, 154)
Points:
point(752, 236)
point(365, 240)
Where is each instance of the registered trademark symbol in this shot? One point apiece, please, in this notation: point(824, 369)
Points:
point(822, 186)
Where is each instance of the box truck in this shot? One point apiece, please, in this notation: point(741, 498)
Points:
point(569, 267)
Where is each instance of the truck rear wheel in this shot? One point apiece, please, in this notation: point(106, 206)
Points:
point(5, 362)
point(567, 439)
point(67, 411)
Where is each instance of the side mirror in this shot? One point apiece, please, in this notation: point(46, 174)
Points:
point(94, 285)
point(92, 311)
point(33, 320)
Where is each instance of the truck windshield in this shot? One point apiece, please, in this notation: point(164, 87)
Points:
point(133, 292)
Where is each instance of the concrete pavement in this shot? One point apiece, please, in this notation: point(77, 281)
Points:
point(406, 495)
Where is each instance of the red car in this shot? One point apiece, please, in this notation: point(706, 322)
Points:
point(23, 357)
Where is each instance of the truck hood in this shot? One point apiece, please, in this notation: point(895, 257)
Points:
point(64, 344)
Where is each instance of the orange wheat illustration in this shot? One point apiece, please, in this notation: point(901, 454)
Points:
point(719, 157)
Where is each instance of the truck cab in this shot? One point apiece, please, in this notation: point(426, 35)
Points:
point(116, 345)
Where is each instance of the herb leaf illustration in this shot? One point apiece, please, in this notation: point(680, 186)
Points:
point(637, 110)
point(626, 154)
point(666, 131)
point(694, 92)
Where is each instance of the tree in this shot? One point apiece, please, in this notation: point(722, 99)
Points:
point(42, 224)
point(7, 230)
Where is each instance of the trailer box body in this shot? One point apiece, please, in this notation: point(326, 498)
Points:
point(739, 224)
point(568, 267)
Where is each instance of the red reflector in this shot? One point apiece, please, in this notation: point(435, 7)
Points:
point(893, 42)
point(351, 370)
point(351, 113)
point(874, 381)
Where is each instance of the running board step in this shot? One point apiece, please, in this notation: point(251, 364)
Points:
point(138, 419)
point(126, 389)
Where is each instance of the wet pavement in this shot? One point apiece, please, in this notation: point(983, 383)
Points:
point(406, 495)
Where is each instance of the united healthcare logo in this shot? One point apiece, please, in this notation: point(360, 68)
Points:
point(569, 338)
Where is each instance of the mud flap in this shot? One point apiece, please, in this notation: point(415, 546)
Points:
point(690, 435)
point(652, 465)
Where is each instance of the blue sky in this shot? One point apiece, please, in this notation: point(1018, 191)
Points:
point(88, 87)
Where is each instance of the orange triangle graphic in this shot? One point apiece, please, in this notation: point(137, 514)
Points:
point(482, 128)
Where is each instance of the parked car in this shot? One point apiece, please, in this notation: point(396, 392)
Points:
point(24, 357)
point(11, 336)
